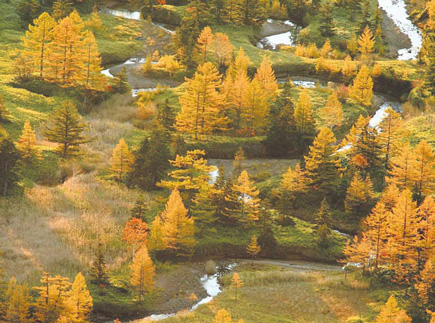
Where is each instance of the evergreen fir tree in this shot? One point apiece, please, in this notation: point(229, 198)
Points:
point(322, 165)
point(99, 272)
point(281, 136)
point(122, 85)
point(9, 157)
point(65, 128)
point(327, 25)
point(151, 160)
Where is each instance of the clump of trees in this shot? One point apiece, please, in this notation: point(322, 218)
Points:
point(58, 300)
point(61, 52)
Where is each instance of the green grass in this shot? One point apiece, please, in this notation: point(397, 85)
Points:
point(292, 242)
point(278, 295)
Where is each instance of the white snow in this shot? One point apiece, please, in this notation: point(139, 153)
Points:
point(396, 10)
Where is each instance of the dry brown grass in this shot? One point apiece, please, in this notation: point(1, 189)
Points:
point(57, 228)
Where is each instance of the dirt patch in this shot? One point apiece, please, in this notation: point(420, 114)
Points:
point(394, 38)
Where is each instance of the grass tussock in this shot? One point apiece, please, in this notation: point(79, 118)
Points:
point(57, 228)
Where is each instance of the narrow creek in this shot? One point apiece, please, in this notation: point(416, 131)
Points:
point(211, 285)
point(288, 35)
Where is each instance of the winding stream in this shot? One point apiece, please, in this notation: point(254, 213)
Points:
point(396, 10)
point(211, 286)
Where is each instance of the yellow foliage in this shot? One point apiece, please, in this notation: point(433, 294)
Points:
point(122, 160)
point(362, 88)
point(142, 272)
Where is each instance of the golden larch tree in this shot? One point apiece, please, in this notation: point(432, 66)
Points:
point(244, 204)
point(366, 43)
point(391, 312)
point(425, 284)
point(389, 196)
point(242, 62)
point(222, 316)
point(253, 249)
point(403, 171)
point(425, 169)
point(359, 194)
point(236, 282)
point(403, 232)
point(121, 161)
point(37, 38)
point(257, 108)
point(362, 88)
point(156, 241)
point(331, 114)
point(142, 272)
point(204, 45)
point(17, 303)
point(200, 102)
point(27, 142)
point(78, 304)
point(178, 228)
point(267, 80)
point(239, 96)
point(190, 175)
point(304, 114)
point(66, 51)
point(376, 232)
point(390, 135)
point(326, 49)
point(91, 73)
point(222, 49)
point(426, 213)
point(348, 68)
